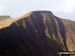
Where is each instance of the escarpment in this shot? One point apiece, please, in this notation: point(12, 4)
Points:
point(40, 33)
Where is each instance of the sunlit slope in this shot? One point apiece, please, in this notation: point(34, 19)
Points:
point(4, 18)
point(38, 33)
point(6, 22)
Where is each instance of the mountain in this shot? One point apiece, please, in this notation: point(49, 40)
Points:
point(4, 17)
point(37, 33)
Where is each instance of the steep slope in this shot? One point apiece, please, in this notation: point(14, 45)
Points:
point(38, 33)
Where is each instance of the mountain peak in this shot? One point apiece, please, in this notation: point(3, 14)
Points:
point(34, 12)
point(37, 33)
point(41, 12)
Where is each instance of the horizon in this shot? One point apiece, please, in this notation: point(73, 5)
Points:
point(14, 8)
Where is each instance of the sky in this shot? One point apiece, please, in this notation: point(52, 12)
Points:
point(16, 8)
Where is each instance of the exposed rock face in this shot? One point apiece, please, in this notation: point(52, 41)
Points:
point(39, 34)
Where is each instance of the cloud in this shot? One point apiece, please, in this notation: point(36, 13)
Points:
point(1, 8)
point(16, 8)
point(65, 6)
point(53, 5)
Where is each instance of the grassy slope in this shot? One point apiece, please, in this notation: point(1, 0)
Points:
point(36, 32)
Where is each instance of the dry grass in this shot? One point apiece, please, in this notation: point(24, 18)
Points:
point(9, 21)
point(6, 23)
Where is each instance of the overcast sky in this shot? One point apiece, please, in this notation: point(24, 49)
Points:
point(61, 8)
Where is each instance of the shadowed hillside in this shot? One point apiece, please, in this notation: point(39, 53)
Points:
point(38, 33)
